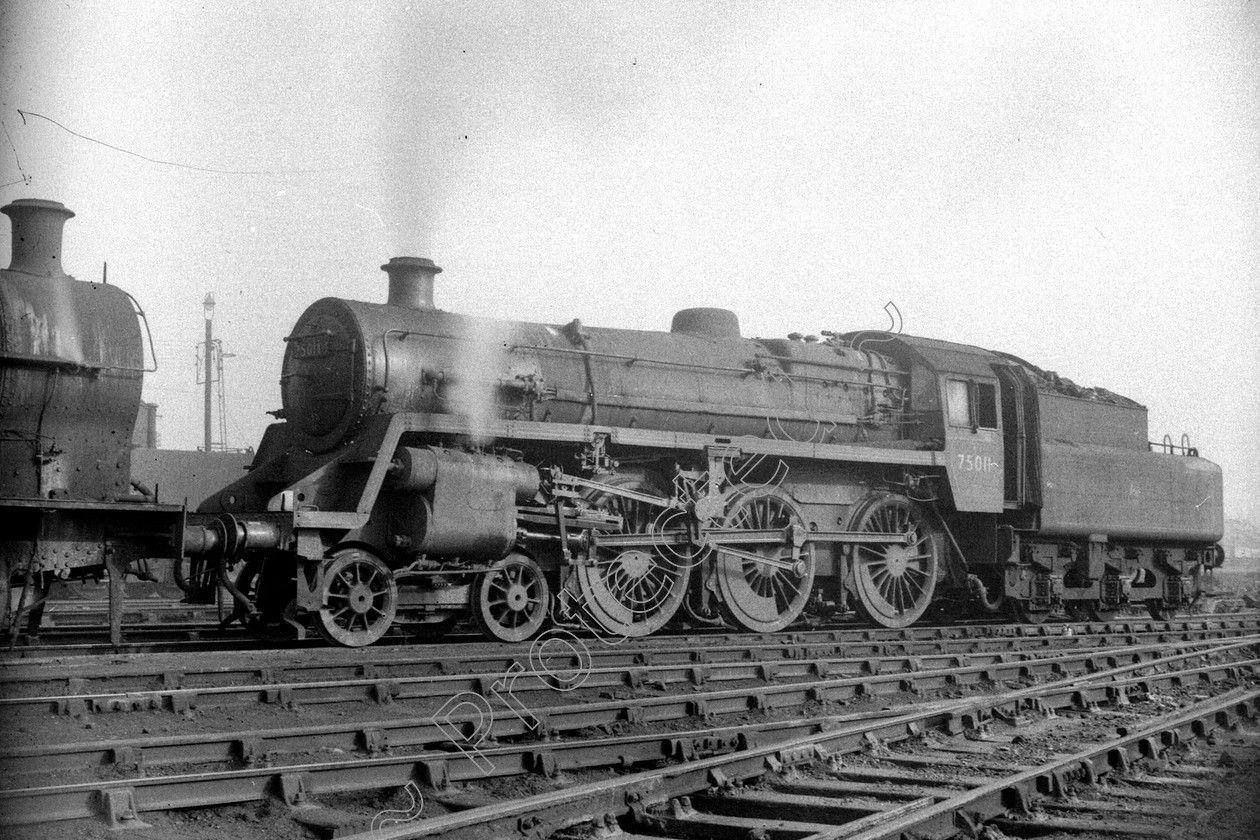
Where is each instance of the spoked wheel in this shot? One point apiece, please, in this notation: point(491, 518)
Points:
point(269, 583)
point(895, 582)
point(1023, 611)
point(633, 591)
point(1159, 611)
point(511, 602)
point(764, 596)
point(360, 599)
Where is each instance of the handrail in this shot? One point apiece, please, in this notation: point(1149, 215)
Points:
point(1167, 447)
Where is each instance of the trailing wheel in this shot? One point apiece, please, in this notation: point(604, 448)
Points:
point(632, 591)
point(360, 598)
point(764, 595)
point(511, 602)
point(895, 582)
point(1159, 611)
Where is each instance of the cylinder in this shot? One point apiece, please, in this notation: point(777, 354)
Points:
point(460, 504)
point(414, 470)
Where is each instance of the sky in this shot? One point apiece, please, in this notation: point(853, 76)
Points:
point(1074, 183)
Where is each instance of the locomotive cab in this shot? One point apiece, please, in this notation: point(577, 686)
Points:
point(959, 407)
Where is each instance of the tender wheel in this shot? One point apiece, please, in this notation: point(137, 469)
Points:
point(269, 584)
point(1159, 611)
point(895, 583)
point(759, 596)
point(1097, 612)
point(360, 599)
point(634, 591)
point(510, 602)
point(1023, 612)
point(1076, 610)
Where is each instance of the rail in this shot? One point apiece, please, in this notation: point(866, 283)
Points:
point(635, 793)
point(707, 758)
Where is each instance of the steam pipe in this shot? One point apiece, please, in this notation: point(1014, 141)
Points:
point(980, 594)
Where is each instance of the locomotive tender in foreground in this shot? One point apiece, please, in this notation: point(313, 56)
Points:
point(428, 464)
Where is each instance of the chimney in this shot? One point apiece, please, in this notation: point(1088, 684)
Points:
point(411, 282)
point(37, 228)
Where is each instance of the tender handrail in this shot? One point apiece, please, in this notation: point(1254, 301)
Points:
point(1167, 446)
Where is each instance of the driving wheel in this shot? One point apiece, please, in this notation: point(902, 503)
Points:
point(895, 582)
point(768, 594)
point(633, 591)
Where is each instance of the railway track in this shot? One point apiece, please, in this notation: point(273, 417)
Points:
point(84, 614)
point(183, 638)
point(154, 670)
point(808, 786)
point(389, 682)
point(752, 687)
point(644, 705)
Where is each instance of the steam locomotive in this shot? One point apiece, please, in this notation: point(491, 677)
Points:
point(72, 362)
point(429, 466)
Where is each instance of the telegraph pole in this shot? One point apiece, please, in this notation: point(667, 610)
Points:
point(208, 307)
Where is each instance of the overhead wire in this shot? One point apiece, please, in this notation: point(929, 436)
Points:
point(159, 161)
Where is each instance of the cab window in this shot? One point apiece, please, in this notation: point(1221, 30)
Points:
point(959, 398)
point(986, 405)
point(972, 405)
